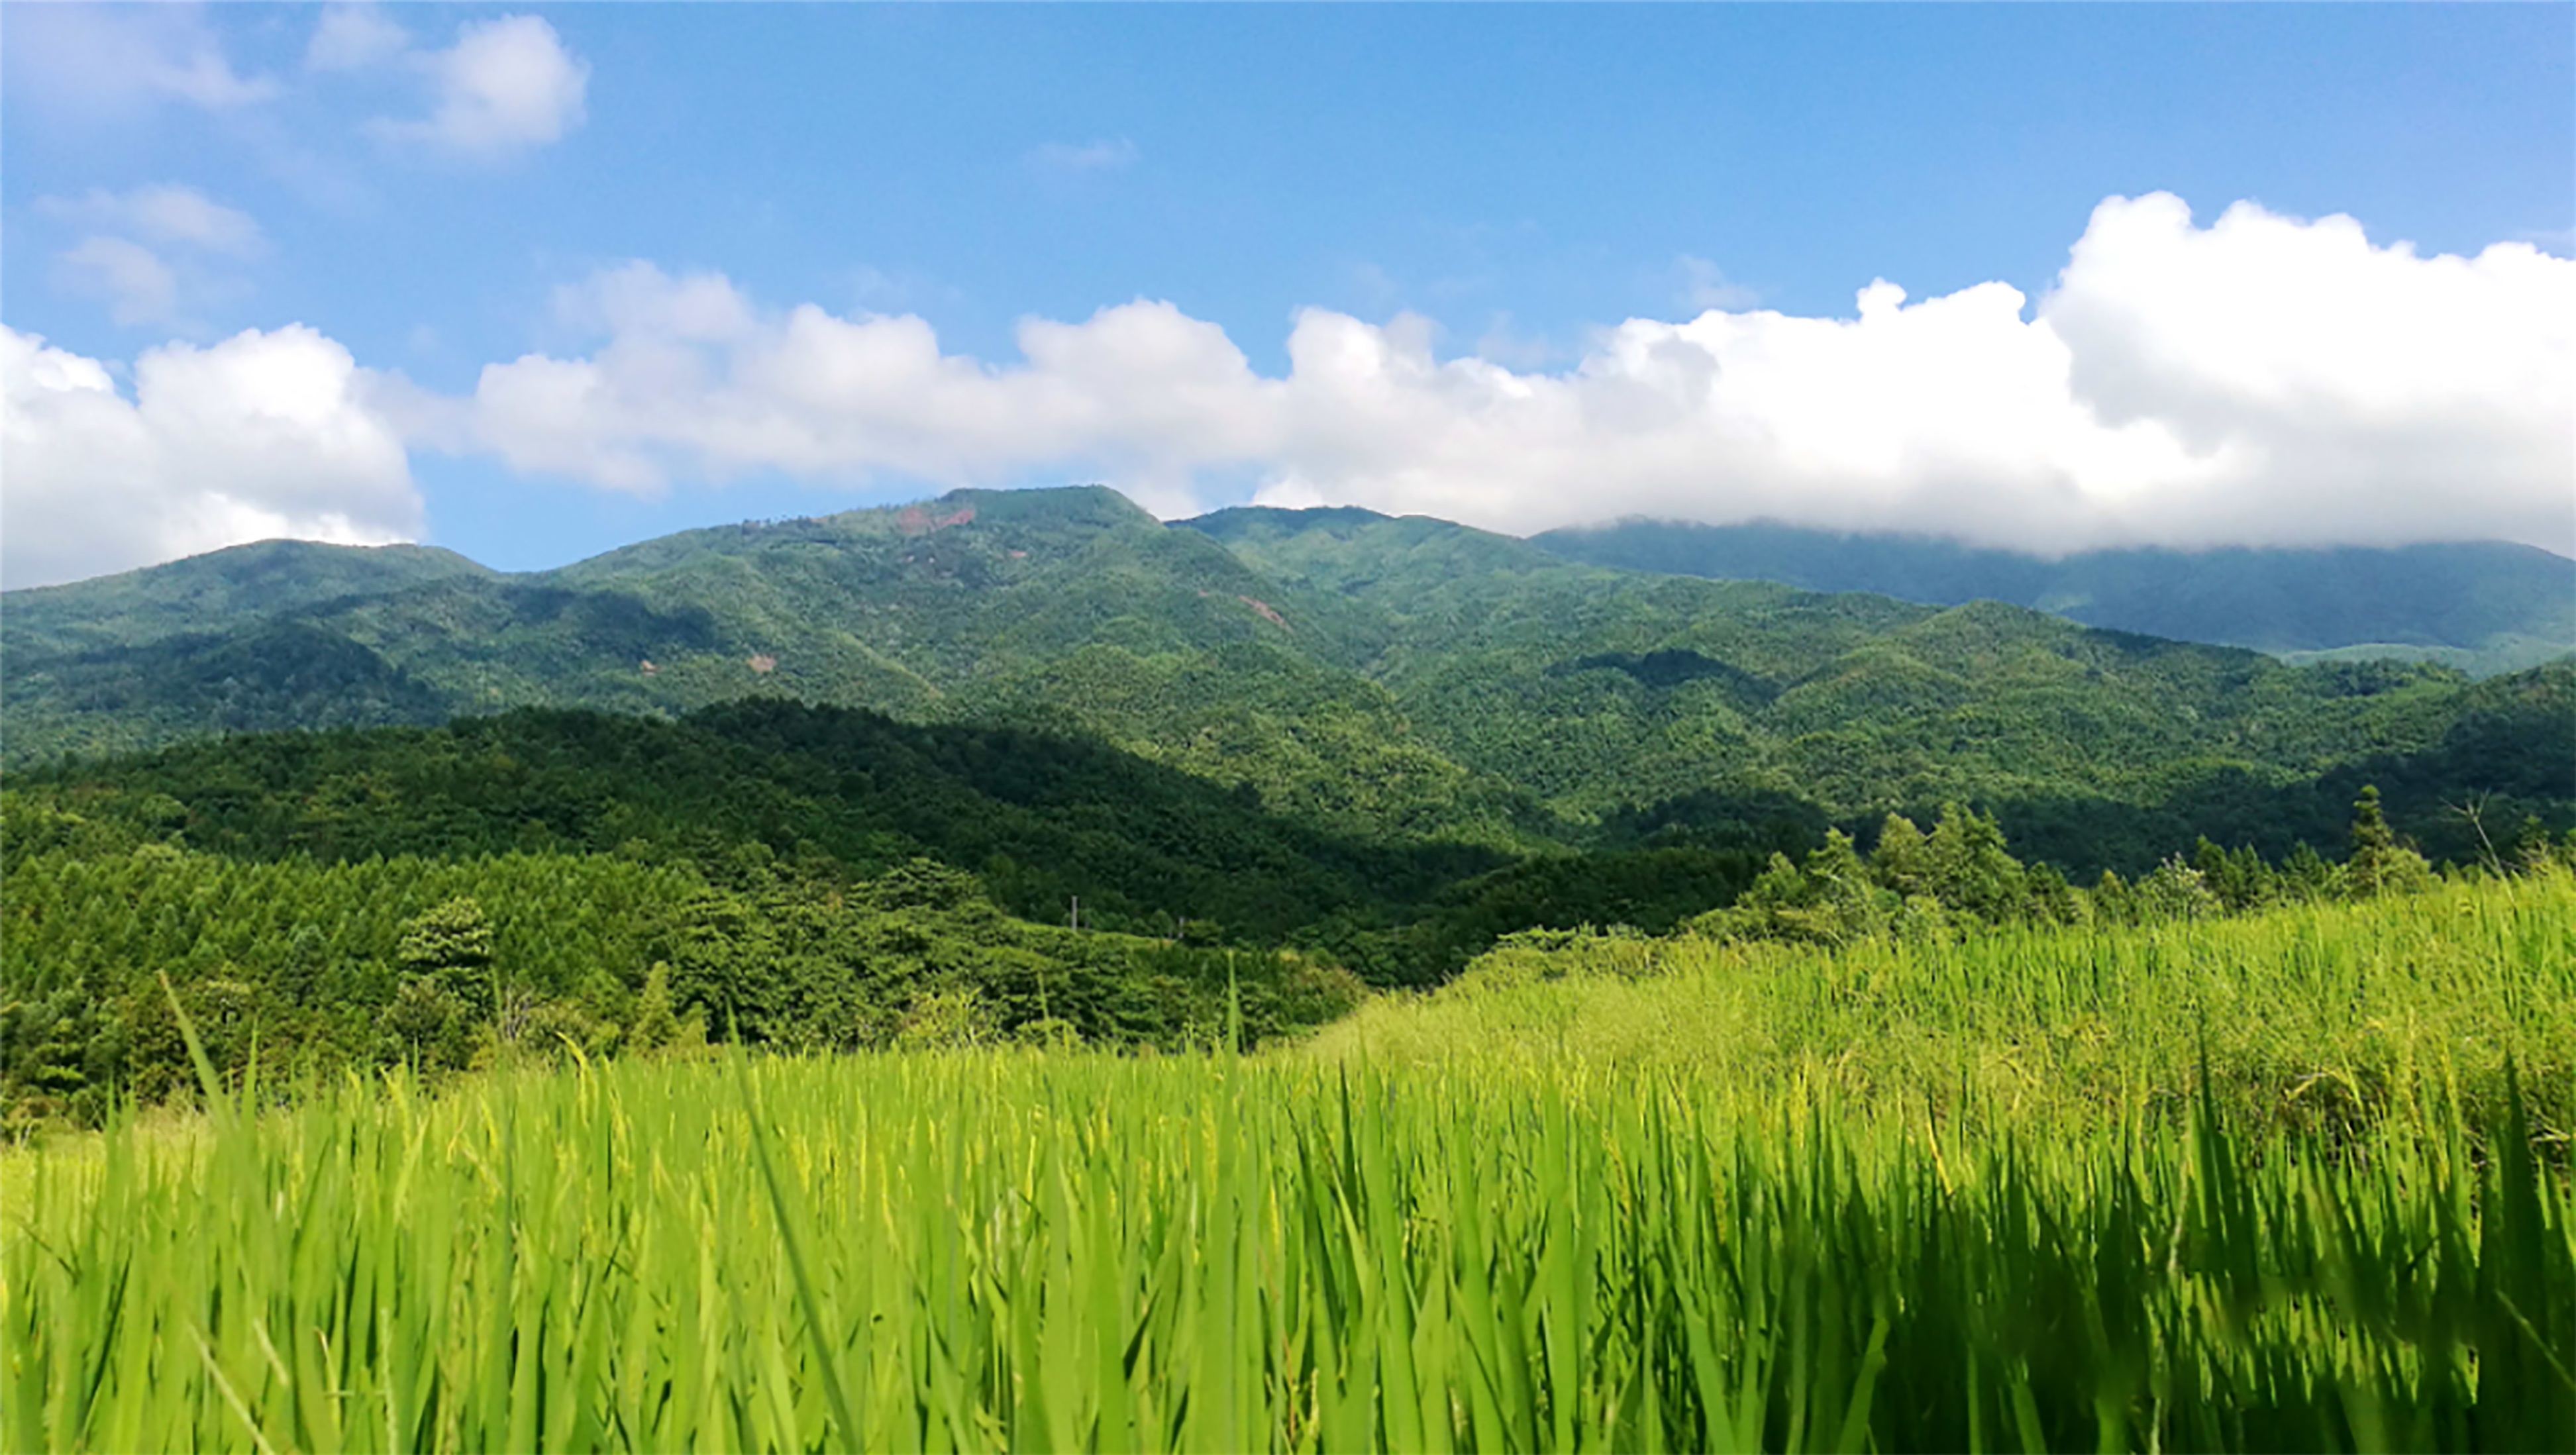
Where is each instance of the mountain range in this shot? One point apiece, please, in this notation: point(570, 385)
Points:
point(2482, 606)
point(1374, 679)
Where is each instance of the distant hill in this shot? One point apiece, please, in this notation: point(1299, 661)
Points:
point(1370, 679)
point(206, 591)
point(2483, 606)
point(1062, 610)
point(1666, 704)
point(1043, 819)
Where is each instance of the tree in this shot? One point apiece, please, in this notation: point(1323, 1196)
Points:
point(2380, 863)
point(426, 1024)
point(2114, 902)
point(2239, 878)
point(2052, 899)
point(2305, 875)
point(449, 984)
point(1902, 860)
point(451, 943)
point(2531, 850)
point(2176, 891)
point(656, 1024)
point(1970, 868)
point(1844, 893)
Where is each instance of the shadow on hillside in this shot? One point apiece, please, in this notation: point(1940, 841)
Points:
point(771, 782)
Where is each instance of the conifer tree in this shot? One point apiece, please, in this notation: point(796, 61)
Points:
point(2380, 863)
point(450, 946)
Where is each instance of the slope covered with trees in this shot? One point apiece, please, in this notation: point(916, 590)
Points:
point(2485, 606)
point(1043, 819)
point(1374, 679)
point(1662, 703)
point(212, 591)
point(1042, 768)
point(312, 964)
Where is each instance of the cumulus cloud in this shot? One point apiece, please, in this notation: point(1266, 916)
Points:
point(2261, 380)
point(261, 435)
point(693, 379)
point(506, 86)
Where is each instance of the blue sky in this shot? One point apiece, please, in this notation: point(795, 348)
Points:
point(1465, 183)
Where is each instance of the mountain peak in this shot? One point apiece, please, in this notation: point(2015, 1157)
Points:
point(1093, 505)
point(1237, 521)
point(198, 591)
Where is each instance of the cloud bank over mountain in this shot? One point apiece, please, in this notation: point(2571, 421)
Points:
point(2262, 380)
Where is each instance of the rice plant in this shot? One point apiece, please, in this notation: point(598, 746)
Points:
point(1017, 1251)
point(2325, 1018)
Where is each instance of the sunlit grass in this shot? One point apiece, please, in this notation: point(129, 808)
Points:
point(1589, 1242)
point(2314, 1017)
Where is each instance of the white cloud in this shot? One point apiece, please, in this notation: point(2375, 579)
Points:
point(139, 282)
point(163, 213)
point(1102, 154)
point(86, 58)
point(640, 299)
point(207, 79)
point(505, 86)
point(692, 379)
point(2263, 380)
point(131, 279)
point(354, 37)
point(1500, 343)
point(262, 435)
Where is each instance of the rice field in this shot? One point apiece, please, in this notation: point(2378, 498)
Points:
point(2328, 1018)
point(1490, 1249)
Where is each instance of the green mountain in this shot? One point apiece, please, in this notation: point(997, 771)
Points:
point(1070, 610)
point(1042, 819)
point(2483, 606)
point(740, 792)
point(843, 782)
point(1371, 680)
point(1649, 703)
point(227, 586)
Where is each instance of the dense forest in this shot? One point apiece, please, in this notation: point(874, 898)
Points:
point(1368, 676)
point(312, 968)
point(1037, 766)
point(547, 884)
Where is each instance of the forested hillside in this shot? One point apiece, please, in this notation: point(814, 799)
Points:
point(447, 964)
point(1039, 767)
point(213, 591)
point(1041, 819)
point(1662, 703)
point(1371, 679)
point(2484, 606)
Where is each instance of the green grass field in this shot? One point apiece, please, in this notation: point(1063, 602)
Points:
point(2327, 1017)
point(1616, 1195)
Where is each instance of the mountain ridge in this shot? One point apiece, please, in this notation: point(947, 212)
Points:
point(1397, 678)
point(2484, 606)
